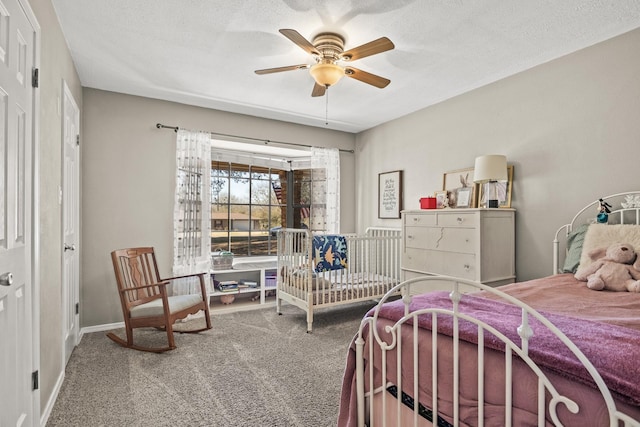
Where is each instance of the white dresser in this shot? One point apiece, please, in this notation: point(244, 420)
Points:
point(474, 244)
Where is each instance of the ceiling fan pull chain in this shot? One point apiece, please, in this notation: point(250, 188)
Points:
point(326, 109)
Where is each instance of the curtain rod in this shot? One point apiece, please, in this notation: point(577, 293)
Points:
point(265, 141)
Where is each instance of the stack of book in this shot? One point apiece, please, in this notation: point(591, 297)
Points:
point(228, 286)
point(247, 284)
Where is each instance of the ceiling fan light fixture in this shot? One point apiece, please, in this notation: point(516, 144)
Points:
point(328, 52)
point(326, 74)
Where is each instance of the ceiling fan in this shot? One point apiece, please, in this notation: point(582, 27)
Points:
point(328, 52)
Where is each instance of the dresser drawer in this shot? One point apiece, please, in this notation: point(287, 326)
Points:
point(458, 219)
point(452, 264)
point(414, 259)
point(420, 220)
point(422, 237)
point(445, 239)
point(433, 285)
point(437, 262)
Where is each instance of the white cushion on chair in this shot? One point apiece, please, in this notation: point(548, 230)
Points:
point(154, 308)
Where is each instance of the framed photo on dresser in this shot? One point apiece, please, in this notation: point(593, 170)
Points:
point(460, 179)
point(442, 201)
point(464, 196)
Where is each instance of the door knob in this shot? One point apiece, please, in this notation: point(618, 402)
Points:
point(6, 279)
point(69, 247)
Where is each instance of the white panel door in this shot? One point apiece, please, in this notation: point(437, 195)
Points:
point(16, 220)
point(70, 222)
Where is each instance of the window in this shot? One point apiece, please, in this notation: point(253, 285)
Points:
point(257, 190)
point(249, 204)
point(309, 189)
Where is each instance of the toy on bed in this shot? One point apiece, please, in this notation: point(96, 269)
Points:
point(615, 268)
point(604, 209)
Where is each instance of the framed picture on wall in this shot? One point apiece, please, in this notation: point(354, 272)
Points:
point(389, 194)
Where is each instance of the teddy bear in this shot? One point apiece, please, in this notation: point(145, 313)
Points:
point(616, 268)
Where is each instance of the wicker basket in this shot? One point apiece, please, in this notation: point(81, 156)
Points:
point(222, 260)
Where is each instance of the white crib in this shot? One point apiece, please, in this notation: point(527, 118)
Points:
point(372, 269)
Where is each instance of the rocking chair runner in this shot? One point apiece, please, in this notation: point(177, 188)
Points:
point(145, 301)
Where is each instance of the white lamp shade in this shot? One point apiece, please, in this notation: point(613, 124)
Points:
point(492, 167)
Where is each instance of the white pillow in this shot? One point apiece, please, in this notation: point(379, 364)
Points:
point(602, 235)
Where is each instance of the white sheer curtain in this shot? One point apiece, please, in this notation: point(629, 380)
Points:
point(192, 209)
point(326, 193)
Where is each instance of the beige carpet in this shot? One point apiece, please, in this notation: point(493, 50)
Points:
point(254, 368)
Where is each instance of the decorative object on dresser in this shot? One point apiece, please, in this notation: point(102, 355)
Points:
point(389, 194)
point(460, 179)
point(463, 197)
point(503, 189)
point(442, 201)
point(428, 203)
point(475, 244)
point(495, 181)
point(489, 170)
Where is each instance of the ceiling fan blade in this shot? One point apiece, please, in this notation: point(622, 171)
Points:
point(380, 45)
point(297, 38)
point(365, 77)
point(318, 90)
point(279, 69)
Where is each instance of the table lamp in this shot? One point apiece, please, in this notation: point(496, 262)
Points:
point(490, 169)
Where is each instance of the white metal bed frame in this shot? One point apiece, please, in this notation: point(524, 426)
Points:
point(373, 268)
point(459, 287)
point(630, 215)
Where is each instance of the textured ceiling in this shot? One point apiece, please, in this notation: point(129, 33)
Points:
point(204, 53)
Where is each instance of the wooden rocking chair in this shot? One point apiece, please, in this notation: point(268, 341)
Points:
point(145, 301)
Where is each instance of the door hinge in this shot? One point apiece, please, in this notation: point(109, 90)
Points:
point(35, 78)
point(78, 139)
point(77, 308)
point(35, 383)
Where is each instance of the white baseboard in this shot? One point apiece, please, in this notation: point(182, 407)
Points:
point(46, 412)
point(100, 328)
point(44, 416)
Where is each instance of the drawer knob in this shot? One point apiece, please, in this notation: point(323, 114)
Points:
point(409, 236)
point(460, 220)
point(467, 267)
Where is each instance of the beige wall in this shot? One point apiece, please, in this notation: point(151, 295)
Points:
point(55, 66)
point(128, 181)
point(570, 127)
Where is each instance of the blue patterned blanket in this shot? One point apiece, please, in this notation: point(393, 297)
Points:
point(329, 252)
